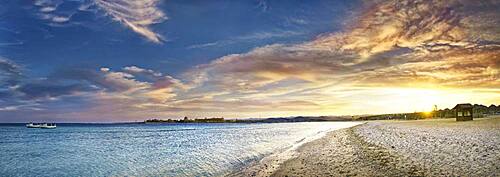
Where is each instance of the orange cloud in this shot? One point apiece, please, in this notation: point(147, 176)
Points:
point(396, 56)
point(396, 44)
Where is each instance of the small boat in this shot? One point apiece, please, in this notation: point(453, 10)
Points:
point(44, 125)
point(48, 125)
point(33, 125)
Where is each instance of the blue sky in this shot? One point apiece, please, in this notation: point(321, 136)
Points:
point(194, 33)
point(118, 60)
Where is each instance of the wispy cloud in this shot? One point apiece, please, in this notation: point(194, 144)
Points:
point(210, 44)
point(10, 72)
point(267, 35)
point(405, 54)
point(137, 15)
point(375, 44)
point(11, 43)
point(48, 11)
point(394, 44)
point(263, 5)
point(247, 38)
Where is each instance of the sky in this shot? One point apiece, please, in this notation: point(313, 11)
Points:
point(120, 60)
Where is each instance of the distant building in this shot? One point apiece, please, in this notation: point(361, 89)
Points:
point(210, 120)
point(463, 112)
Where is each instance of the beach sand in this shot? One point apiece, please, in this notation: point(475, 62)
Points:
point(437, 147)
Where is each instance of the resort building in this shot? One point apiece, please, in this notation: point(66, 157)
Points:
point(463, 112)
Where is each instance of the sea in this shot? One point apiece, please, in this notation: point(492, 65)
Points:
point(198, 149)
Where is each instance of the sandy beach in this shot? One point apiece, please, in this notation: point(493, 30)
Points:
point(437, 147)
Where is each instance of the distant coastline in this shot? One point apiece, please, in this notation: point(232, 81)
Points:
point(254, 120)
point(478, 109)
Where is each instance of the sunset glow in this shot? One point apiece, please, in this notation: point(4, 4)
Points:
point(88, 62)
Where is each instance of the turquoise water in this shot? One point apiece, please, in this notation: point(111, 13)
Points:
point(146, 149)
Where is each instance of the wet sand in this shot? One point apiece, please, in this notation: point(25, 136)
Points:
point(439, 147)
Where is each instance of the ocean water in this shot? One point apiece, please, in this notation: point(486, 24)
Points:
point(147, 149)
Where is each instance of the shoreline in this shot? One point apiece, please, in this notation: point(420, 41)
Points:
point(268, 164)
point(433, 147)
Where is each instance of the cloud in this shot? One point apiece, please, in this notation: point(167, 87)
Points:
point(45, 90)
point(11, 43)
point(405, 36)
point(267, 35)
point(210, 44)
point(60, 19)
point(10, 73)
point(263, 5)
point(47, 9)
point(137, 70)
point(401, 55)
point(137, 15)
point(21, 93)
point(130, 82)
point(258, 36)
point(104, 79)
point(71, 90)
point(394, 44)
point(157, 79)
point(126, 89)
